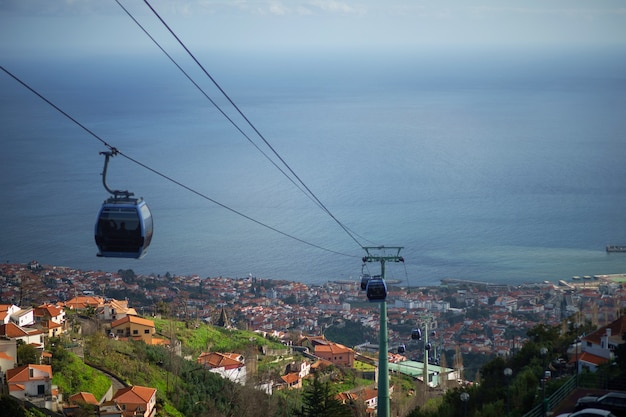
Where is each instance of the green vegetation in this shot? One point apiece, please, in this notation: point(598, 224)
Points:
point(488, 398)
point(197, 337)
point(9, 406)
point(72, 375)
point(26, 353)
point(349, 333)
point(186, 389)
point(318, 401)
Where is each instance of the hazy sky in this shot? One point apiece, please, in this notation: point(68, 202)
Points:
point(66, 26)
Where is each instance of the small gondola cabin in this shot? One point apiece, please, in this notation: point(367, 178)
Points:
point(376, 290)
point(416, 334)
point(124, 228)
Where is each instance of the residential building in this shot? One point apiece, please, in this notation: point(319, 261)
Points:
point(228, 365)
point(83, 302)
point(292, 381)
point(367, 396)
point(23, 317)
point(134, 327)
point(29, 336)
point(113, 310)
point(598, 347)
point(134, 401)
point(30, 381)
point(49, 312)
point(6, 310)
point(336, 353)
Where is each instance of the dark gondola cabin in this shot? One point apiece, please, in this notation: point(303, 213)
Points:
point(376, 290)
point(416, 334)
point(401, 349)
point(365, 278)
point(123, 228)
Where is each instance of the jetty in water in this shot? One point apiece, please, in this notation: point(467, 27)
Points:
point(616, 248)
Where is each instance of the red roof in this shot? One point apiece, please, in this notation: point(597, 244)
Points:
point(22, 374)
point(220, 360)
point(84, 397)
point(593, 359)
point(134, 395)
point(134, 320)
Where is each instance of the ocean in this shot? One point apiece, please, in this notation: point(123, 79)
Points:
point(498, 165)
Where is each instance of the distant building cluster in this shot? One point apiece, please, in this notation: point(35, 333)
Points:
point(465, 317)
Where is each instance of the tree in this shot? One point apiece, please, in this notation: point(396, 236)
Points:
point(27, 354)
point(318, 401)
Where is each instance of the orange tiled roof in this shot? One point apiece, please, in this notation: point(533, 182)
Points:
point(21, 373)
point(83, 302)
point(618, 328)
point(12, 330)
point(220, 360)
point(594, 359)
point(291, 378)
point(48, 310)
point(85, 397)
point(133, 320)
point(134, 394)
point(333, 348)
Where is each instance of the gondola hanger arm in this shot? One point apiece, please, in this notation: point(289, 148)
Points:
point(115, 193)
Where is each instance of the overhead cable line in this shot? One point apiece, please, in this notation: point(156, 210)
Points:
point(251, 124)
point(180, 184)
point(207, 96)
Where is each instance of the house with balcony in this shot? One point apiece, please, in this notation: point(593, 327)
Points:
point(29, 381)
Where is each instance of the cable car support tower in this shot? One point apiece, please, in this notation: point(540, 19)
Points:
point(377, 254)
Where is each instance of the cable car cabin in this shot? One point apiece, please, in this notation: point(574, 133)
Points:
point(376, 290)
point(123, 228)
point(401, 349)
point(416, 334)
point(365, 278)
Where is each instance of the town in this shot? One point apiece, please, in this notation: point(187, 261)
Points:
point(461, 318)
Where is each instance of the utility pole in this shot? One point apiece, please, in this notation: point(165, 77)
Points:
point(383, 407)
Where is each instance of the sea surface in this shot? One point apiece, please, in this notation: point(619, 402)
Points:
point(498, 165)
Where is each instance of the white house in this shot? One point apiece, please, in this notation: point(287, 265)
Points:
point(6, 310)
point(30, 381)
point(33, 337)
point(228, 365)
point(598, 347)
point(113, 310)
point(24, 317)
point(8, 356)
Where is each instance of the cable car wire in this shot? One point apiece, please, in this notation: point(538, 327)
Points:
point(168, 178)
point(204, 93)
point(250, 123)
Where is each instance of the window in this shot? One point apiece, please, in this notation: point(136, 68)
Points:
point(135, 331)
point(147, 331)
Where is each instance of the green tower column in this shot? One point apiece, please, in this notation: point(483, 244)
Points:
point(383, 407)
point(383, 358)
